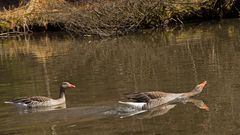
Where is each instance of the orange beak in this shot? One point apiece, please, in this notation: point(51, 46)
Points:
point(71, 86)
point(205, 107)
point(202, 85)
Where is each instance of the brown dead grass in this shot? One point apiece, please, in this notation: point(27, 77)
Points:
point(102, 17)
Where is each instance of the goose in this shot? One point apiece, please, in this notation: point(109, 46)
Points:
point(41, 101)
point(151, 99)
point(163, 109)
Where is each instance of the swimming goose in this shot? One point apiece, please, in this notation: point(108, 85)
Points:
point(163, 109)
point(40, 101)
point(148, 100)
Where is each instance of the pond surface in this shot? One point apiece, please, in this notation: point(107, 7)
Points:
point(103, 70)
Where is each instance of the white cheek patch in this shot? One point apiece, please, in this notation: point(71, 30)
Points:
point(65, 85)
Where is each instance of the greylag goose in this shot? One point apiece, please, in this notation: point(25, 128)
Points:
point(148, 100)
point(40, 101)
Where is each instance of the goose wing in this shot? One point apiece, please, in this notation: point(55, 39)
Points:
point(145, 96)
point(30, 100)
point(40, 99)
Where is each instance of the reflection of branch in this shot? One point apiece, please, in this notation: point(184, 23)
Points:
point(11, 34)
point(53, 129)
point(46, 78)
point(193, 63)
point(1, 55)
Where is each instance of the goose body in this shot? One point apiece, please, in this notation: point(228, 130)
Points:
point(148, 100)
point(41, 101)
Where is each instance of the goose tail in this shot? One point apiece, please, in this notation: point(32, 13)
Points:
point(8, 102)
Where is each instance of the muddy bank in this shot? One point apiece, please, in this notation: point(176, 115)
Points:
point(109, 17)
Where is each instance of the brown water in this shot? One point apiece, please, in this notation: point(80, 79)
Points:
point(103, 70)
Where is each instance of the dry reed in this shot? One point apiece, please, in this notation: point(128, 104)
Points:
point(106, 17)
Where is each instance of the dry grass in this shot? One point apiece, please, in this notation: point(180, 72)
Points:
point(103, 17)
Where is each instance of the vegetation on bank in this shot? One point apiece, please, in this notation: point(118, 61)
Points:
point(109, 17)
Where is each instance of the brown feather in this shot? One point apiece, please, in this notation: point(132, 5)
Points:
point(28, 100)
point(40, 98)
point(145, 96)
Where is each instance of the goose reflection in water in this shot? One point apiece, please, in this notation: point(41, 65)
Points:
point(41, 109)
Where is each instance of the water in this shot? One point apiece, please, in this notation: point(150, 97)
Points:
point(103, 70)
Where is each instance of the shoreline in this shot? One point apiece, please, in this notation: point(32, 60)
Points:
point(111, 17)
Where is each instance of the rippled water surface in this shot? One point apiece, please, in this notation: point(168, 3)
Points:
point(103, 70)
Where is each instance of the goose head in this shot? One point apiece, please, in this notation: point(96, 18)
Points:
point(66, 85)
point(200, 87)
